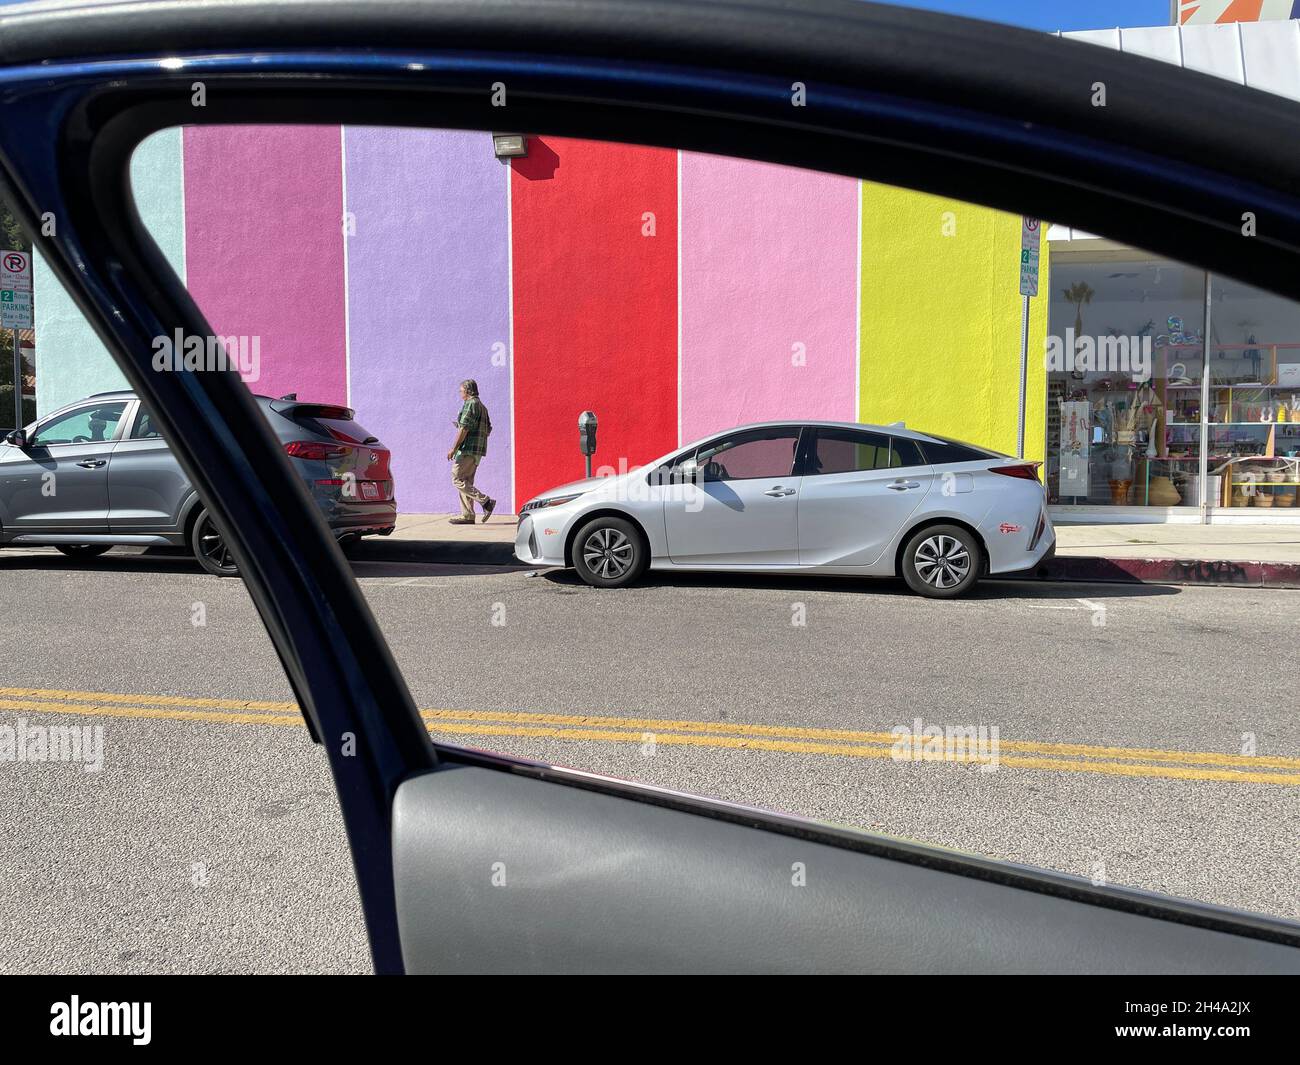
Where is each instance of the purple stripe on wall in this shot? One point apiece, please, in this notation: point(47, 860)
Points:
point(768, 294)
point(428, 301)
point(264, 249)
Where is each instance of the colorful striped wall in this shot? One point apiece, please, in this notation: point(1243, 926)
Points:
point(673, 293)
point(941, 319)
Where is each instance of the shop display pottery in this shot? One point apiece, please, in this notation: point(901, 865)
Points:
point(1277, 476)
point(1263, 499)
point(1162, 493)
point(1284, 497)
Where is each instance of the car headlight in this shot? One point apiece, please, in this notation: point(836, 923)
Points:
point(551, 501)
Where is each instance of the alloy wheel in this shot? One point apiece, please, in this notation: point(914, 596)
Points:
point(942, 561)
point(608, 553)
point(212, 545)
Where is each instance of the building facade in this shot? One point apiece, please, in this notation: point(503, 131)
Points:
point(675, 294)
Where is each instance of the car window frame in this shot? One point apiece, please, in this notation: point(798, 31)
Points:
point(34, 440)
point(893, 439)
point(137, 416)
point(796, 432)
point(815, 435)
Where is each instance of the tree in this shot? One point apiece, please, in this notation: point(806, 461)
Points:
point(11, 233)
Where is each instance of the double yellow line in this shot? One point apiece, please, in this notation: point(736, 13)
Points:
point(787, 739)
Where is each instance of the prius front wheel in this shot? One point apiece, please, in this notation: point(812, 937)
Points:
point(942, 562)
point(609, 553)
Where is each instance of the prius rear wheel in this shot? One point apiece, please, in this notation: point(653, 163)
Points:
point(609, 553)
point(942, 562)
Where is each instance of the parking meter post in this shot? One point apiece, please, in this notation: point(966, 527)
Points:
point(587, 436)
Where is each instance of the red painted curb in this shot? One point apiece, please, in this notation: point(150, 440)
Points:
point(1212, 572)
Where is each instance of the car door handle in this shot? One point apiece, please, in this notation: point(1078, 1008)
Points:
point(92, 464)
point(903, 486)
point(778, 491)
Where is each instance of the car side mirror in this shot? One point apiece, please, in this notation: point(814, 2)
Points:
point(687, 472)
point(18, 438)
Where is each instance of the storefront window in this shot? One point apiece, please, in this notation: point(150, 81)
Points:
point(1254, 415)
point(1125, 362)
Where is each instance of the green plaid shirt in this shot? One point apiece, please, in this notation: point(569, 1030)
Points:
point(474, 419)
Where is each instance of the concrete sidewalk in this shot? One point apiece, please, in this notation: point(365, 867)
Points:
point(1243, 555)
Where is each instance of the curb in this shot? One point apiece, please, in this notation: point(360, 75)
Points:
point(447, 552)
point(1089, 568)
point(1213, 573)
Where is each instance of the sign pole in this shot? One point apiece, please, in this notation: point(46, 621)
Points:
point(1029, 248)
point(1024, 376)
point(18, 383)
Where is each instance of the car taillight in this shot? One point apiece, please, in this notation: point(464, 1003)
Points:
point(1039, 529)
point(1026, 470)
point(313, 451)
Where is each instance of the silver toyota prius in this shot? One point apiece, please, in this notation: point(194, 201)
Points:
point(786, 497)
point(98, 472)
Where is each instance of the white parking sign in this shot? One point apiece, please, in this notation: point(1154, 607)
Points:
point(15, 290)
point(1029, 232)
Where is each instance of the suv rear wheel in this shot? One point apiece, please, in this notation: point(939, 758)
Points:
point(209, 547)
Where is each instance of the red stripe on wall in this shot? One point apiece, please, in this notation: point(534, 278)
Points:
point(264, 249)
point(595, 306)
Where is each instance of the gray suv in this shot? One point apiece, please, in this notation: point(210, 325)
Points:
point(98, 472)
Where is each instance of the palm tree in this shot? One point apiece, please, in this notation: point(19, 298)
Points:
point(1079, 293)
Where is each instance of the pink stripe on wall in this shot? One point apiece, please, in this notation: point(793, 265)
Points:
point(264, 249)
point(768, 294)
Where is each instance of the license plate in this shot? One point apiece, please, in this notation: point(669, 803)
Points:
point(369, 490)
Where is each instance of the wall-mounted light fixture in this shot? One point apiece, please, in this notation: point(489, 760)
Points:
point(509, 145)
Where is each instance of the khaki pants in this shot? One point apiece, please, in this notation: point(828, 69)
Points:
point(462, 477)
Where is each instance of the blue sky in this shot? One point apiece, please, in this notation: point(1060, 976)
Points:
point(1056, 14)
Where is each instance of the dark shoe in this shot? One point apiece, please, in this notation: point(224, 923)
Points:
point(488, 508)
point(461, 521)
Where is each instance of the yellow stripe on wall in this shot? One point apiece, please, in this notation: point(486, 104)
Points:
point(940, 321)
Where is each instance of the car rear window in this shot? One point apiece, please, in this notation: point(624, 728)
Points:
point(939, 449)
point(329, 420)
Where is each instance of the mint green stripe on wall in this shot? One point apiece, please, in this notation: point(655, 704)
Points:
point(70, 360)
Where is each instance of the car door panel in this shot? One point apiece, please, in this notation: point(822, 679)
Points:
point(734, 523)
point(59, 487)
point(56, 486)
point(146, 485)
point(850, 519)
point(740, 503)
point(500, 872)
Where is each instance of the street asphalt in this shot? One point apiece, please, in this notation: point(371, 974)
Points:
point(1148, 734)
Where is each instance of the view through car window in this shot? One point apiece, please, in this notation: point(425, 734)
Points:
point(800, 491)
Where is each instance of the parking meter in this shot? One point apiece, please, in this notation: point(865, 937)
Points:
point(587, 436)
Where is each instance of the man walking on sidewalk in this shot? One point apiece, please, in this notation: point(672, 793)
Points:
point(468, 451)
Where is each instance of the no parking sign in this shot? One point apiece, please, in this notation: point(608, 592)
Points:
point(1029, 233)
point(15, 290)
